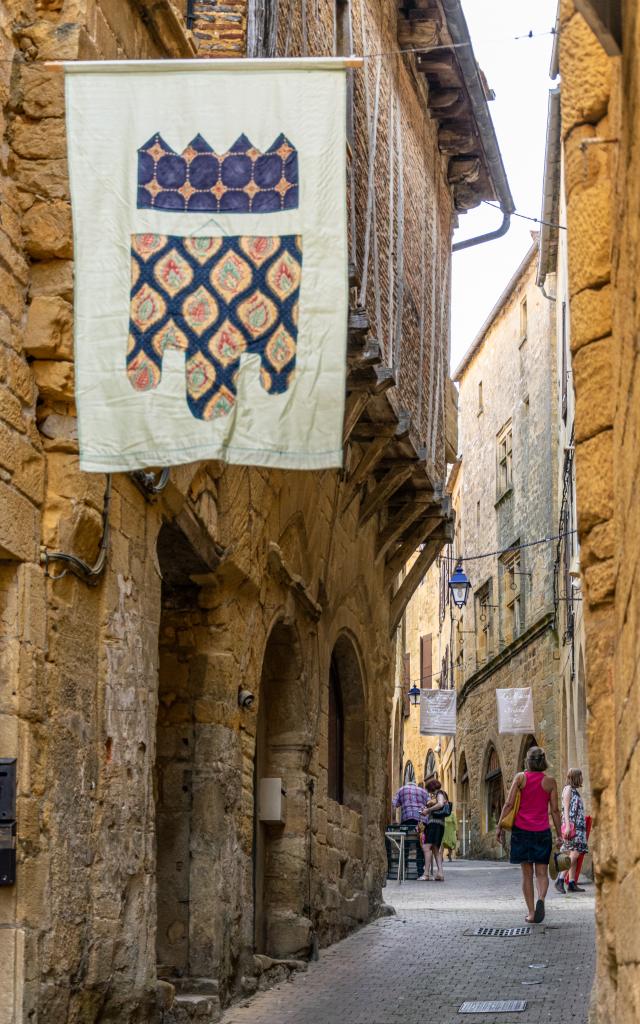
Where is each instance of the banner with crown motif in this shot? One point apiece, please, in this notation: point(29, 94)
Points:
point(211, 280)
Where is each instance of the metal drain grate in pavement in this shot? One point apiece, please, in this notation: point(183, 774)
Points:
point(498, 1006)
point(501, 933)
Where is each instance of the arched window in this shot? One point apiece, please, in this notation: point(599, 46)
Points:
point(494, 790)
point(409, 773)
point(430, 764)
point(336, 737)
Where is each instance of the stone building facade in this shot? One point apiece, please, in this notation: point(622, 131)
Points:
point(553, 278)
point(506, 635)
point(597, 55)
point(140, 613)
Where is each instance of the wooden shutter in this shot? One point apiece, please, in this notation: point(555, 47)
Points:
point(426, 664)
point(406, 684)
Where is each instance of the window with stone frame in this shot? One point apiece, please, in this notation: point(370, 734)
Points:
point(524, 317)
point(483, 623)
point(505, 460)
point(511, 597)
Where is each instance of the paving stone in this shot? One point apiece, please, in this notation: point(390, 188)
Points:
point(421, 966)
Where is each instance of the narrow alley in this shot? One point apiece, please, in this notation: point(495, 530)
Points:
point(423, 962)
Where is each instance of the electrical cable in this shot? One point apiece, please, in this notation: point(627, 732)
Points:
point(524, 216)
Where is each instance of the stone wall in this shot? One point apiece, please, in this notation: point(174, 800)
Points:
point(600, 121)
point(137, 831)
point(590, 105)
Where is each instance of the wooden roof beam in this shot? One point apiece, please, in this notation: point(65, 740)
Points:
point(390, 482)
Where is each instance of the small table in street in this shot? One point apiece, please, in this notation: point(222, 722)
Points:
point(398, 839)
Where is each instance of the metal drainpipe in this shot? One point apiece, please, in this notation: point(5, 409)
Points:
point(459, 33)
point(467, 243)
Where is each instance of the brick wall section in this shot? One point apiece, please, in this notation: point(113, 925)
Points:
point(219, 27)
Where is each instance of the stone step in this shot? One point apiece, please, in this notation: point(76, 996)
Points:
point(196, 1008)
point(204, 986)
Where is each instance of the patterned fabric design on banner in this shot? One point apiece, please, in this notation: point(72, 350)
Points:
point(214, 299)
point(242, 180)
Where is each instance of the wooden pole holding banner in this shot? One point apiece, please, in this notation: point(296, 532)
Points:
point(192, 63)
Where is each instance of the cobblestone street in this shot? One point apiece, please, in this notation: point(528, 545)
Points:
point(421, 965)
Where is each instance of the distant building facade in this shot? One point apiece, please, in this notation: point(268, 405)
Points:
point(506, 636)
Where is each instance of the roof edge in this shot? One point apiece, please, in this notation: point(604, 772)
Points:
point(476, 344)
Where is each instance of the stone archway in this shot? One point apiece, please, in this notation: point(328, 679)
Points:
point(282, 927)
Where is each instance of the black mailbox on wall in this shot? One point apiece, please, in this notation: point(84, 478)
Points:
point(7, 820)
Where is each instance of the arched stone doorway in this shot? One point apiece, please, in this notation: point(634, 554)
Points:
point(464, 812)
point(494, 790)
point(282, 851)
point(346, 692)
point(186, 798)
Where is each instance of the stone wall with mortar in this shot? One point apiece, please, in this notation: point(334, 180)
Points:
point(600, 115)
point(120, 696)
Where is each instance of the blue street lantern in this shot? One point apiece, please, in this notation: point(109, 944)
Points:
point(414, 695)
point(459, 586)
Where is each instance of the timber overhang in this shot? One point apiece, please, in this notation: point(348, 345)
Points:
point(388, 475)
point(436, 35)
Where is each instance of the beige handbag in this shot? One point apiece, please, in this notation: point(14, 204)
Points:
point(507, 821)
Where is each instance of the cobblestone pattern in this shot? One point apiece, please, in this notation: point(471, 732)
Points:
point(385, 972)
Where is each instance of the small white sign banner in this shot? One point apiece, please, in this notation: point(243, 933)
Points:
point(515, 710)
point(438, 712)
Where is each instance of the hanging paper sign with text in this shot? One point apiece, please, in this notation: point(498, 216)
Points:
point(211, 277)
point(515, 710)
point(438, 712)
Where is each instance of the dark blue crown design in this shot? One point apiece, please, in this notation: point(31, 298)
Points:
point(242, 180)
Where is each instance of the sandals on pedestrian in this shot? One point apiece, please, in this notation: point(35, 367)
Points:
point(439, 878)
point(538, 916)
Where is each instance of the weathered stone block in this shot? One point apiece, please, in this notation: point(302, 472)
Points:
point(42, 91)
point(49, 331)
point(594, 480)
point(48, 231)
point(586, 75)
point(593, 382)
point(52, 277)
point(54, 380)
point(600, 579)
point(47, 179)
point(591, 316)
point(19, 533)
point(39, 140)
point(24, 463)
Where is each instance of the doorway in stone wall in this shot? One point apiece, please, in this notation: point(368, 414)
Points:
point(180, 784)
point(281, 808)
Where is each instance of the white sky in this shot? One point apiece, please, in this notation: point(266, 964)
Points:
point(518, 72)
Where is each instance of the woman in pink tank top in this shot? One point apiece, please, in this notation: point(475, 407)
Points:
point(531, 841)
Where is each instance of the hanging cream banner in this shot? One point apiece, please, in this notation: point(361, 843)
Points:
point(438, 712)
point(210, 244)
point(515, 710)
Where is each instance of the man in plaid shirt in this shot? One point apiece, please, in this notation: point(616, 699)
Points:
point(411, 799)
